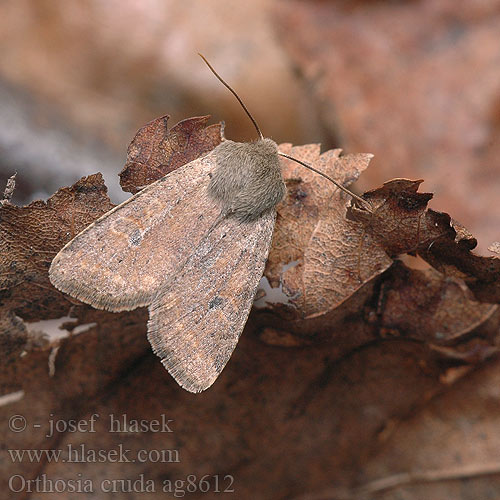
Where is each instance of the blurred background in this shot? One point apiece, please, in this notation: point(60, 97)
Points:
point(415, 82)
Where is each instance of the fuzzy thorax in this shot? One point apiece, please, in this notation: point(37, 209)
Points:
point(247, 180)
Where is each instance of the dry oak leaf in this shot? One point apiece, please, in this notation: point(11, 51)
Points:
point(31, 236)
point(156, 150)
point(311, 202)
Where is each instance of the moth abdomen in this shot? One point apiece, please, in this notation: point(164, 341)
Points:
point(247, 179)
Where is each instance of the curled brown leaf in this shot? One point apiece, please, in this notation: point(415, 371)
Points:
point(157, 150)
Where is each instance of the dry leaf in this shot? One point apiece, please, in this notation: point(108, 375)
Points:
point(427, 306)
point(156, 150)
point(31, 236)
point(399, 221)
point(452, 256)
point(311, 204)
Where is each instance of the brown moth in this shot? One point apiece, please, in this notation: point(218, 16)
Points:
point(199, 285)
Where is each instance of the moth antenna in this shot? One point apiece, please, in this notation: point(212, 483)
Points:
point(363, 202)
point(235, 95)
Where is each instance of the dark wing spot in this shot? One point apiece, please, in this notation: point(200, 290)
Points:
point(135, 238)
point(300, 195)
point(216, 301)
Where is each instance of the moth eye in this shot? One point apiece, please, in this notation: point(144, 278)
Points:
point(210, 174)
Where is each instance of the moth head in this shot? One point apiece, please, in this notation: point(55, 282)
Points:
point(268, 149)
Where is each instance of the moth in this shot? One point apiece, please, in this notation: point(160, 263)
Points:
point(198, 277)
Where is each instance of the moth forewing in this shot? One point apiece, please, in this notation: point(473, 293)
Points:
point(121, 260)
point(196, 321)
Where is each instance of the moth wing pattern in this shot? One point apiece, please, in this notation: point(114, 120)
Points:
point(196, 321)
point(127, 275)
